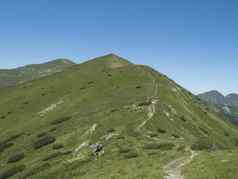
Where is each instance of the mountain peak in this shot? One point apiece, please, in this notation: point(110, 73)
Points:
point(61, 61)
point(215, 92)
point(214, 97)
point(110, 60)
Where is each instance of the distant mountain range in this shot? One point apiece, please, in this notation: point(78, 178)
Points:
point(228, 103)
point(11, 77)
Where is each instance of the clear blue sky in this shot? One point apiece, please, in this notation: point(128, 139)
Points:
point(195, 42)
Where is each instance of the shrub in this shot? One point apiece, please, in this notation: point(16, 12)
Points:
point(82, 88)
point(114, 110)
point(226, 134)
point(162, 131)
point(201, 144)
point(67, 152)
point(13, 137)
point(52, 156)
point(153, 134)
point(131, 154)
point(12, 171)
point(138, 87)
point(110, 130)
point(145, 103)
point(4, 146)
point(3, 117)
point(16, 157)
point(124, 149)
point(204, 130)
point(181, 148)
point(91, 82)
point(53, 129)
point(183, 118)
point(61, 120)
point(57, 146)
point(46, 140)
point(175, 136)
point(35, 170)
point(42, 134)
point(160, 146)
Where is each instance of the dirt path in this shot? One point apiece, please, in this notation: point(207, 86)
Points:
point(151, 112)
point(173, 169)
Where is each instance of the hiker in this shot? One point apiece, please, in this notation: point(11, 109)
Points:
point(97, 149)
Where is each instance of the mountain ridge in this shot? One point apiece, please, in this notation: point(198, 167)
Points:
point(11, 77)
point(137, 118)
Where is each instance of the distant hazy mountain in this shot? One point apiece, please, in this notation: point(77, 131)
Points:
point(11, 77)
point(229, 103)
point(232, 99)
point(213, 97)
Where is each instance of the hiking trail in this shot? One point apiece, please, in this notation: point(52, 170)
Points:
point(173, 170)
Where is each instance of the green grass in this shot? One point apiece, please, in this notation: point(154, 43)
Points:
point(85, 102)
point(215, 165)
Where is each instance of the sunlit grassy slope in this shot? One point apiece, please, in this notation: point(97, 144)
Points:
point(142, 118)
point(214, 165)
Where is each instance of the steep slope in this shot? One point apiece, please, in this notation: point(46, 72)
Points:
point(137, 118)
point(20, 75)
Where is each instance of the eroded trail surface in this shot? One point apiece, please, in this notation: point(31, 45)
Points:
point(173, 170)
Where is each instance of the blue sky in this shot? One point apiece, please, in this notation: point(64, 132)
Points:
point(194, 42)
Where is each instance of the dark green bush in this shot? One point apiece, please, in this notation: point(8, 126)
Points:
point(42, 134)
point(16, 157)
point(46, 140)
point(53, 129)
point(12, 171)
point(181, 148)
point(160, 146)
point(153, 134)
point(52, 156)
point(131, 154)
point(201, 144)
point(175, 136)
point(61, 120)
point(12, 137)
point(110, 130)
point(124, 149)
point(145, 103)
point(91, 82)
point(162, 131)
point(57, 146)
point(204, 130)
point(35, 170)
point(183, 119)
point(4, 146)
point(3, 117)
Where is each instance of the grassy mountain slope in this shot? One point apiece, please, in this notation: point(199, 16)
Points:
point(31, 72)
point(141, 117)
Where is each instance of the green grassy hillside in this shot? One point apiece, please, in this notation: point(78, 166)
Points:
point(141, 117)
point(20, 75)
